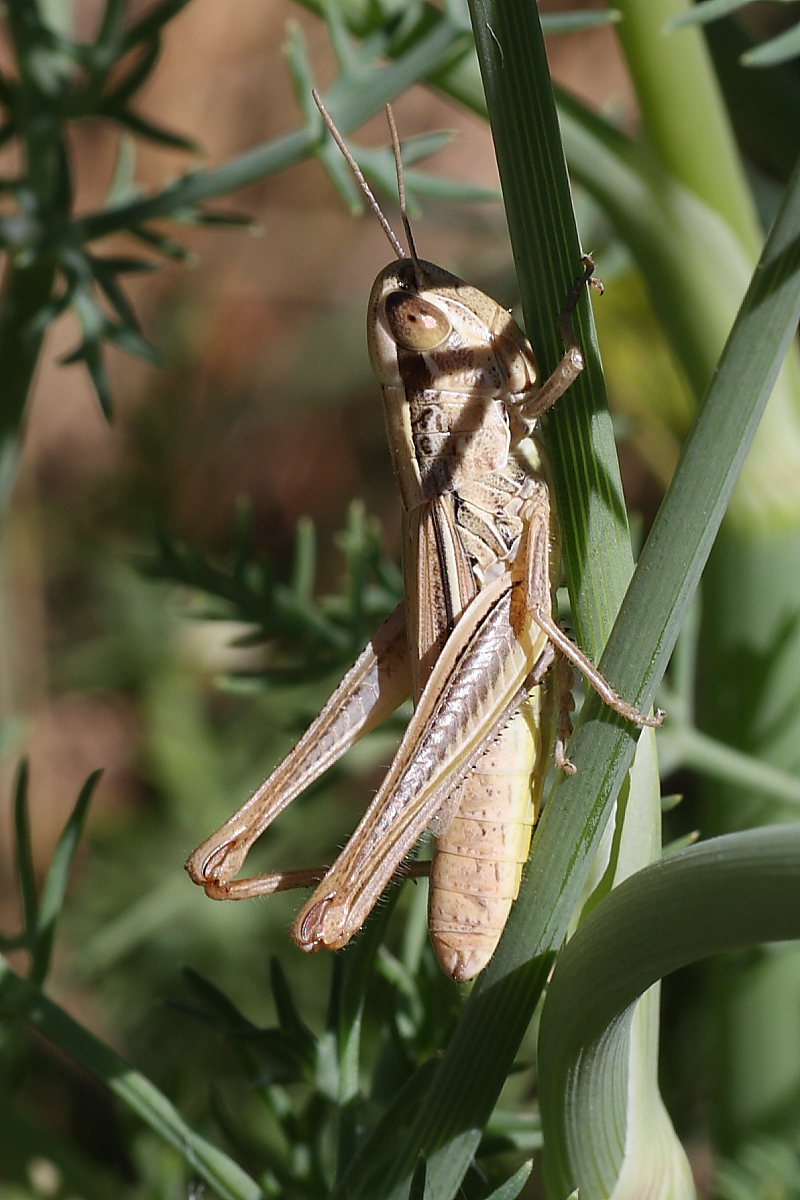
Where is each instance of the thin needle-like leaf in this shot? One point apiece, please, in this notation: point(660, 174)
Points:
point(25, 867)
point(55, 884)
point(133, 1089)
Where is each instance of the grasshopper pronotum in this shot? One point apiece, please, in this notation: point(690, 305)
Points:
point(473, 642)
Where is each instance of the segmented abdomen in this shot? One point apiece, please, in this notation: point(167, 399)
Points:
point(480, 855)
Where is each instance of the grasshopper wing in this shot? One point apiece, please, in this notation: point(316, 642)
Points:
point(478, 681)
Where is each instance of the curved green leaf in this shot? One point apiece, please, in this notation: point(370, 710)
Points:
point(724, 894)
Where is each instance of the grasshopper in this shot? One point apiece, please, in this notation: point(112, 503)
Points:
point(473, 642)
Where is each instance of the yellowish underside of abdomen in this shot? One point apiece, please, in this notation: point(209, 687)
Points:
point(479, 858)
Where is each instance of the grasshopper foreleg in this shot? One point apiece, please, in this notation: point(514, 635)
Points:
point(572, 362)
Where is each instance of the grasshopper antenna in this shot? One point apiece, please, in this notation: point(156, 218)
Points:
point(401, 191)
point(369, 195)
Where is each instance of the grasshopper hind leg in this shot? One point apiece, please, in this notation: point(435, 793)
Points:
point(373, 688)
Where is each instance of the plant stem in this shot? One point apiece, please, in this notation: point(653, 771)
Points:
point(677, 91)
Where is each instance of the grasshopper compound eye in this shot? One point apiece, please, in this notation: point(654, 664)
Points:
point(415, 324)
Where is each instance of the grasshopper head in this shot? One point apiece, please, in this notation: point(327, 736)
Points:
point(426, 328)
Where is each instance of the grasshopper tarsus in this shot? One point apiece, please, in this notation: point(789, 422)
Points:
point(565, 316)
point(222, 887)
point(572, 362)
point(561, 759)
point(566, 707)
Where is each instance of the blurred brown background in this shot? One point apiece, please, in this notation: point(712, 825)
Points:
point(266, 391)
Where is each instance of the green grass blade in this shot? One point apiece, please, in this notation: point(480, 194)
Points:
point(670, 566)
point(675, 81)
point(712, 458)
point(513, 1186)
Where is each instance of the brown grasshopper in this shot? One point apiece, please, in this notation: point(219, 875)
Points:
point(473, 642)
